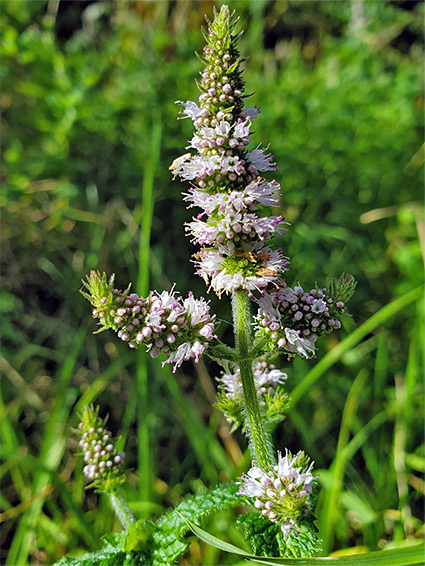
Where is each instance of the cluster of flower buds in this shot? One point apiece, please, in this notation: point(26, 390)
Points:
point(225, 177)
point(282, 493)
point(163, 322)
point(269, 382)
point(103, 464)
point(293, 319)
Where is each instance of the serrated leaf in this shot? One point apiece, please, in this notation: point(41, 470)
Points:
point(343, 288)
point(261, 533)
point(267, 539)
point(107, 558)
point(139, 536)
point(302, 542)
point(114, 540)
point(167, 539)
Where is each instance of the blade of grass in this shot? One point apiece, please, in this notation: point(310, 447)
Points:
point(354, 338)
point(145, 464)
point(381, 367)
point(404, 413)
point(100, 384)
point(413, 367)
point(209, 452)
point(399, 452)
point(51, 451)
point(329, 507)
point(28, 461)
point(25, 390)
point(10, 442)
point(408, 556)
point(128, 416)
point(348, 451)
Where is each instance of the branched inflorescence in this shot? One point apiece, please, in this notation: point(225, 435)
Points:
point(235, 257)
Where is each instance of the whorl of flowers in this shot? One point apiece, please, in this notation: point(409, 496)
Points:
point(103, 463)
point(266, 377)
point(162, 322)
point(292, 319)
point(283, 492)
point(225, 177)
point(269, 382)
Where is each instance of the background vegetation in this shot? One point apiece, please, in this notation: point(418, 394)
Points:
point(89, 130)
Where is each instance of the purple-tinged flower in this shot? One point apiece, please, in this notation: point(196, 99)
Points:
point(260, 160)
point(282, 493)
point(252, 270)
point(226, 184)
point(236, 227)
point(266, 377)
point(292, 319)
point(102, 462)
point(301, 345)
point(252, 112)
point(191, 109)
point(163, 322)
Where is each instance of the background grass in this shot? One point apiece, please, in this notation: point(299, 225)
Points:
point(89, 130)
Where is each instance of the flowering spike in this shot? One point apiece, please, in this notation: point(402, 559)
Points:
point(163, 322)
point(291, 319)
point(103, 463)
point(225, 178)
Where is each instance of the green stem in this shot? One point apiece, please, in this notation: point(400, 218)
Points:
point(144, 403)
point(260, 441)
point(122, 510)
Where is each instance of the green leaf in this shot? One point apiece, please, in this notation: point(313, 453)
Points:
point(139, 536)
point(167, 539)
point(114, 540)
point(266, 538)
point(261, 533)
point(302, 542)
point(342, 289)
point(408, 556)
point(107, 558)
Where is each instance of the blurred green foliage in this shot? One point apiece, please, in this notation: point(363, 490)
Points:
point(83, 86)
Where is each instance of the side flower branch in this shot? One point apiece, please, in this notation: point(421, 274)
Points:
point(162, 322)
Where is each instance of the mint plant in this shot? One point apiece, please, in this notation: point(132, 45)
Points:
point(236, 258)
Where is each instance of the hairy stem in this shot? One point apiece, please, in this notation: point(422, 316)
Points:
point(122, 510)
point(260, 441)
